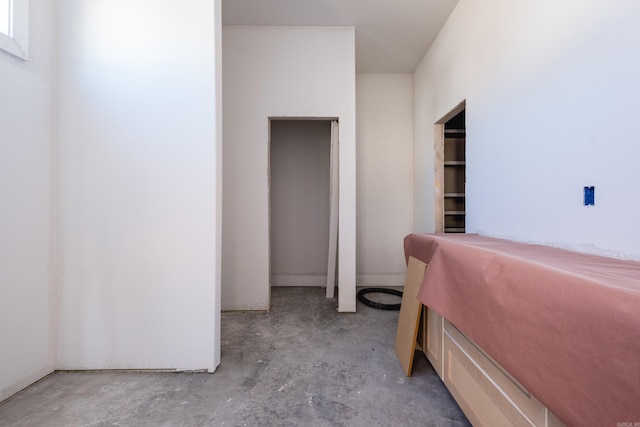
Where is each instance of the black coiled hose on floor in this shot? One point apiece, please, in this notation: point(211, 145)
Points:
point(379, 305)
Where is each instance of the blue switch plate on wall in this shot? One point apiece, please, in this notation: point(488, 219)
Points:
point(589, 196)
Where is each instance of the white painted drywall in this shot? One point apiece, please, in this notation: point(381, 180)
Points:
point(138, 203)
point(27, 297)
point(385, 176)
point(299, 201)
point(551, 90)
point(218, 232)
point(280, 72)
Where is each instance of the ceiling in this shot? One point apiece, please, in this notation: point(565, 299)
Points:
point(392, 36)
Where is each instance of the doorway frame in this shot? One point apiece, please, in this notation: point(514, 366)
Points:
point(285, 118)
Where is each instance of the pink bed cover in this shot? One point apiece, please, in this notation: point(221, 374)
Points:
point(565, 324)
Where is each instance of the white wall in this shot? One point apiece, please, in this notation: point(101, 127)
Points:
point(138, 184)
point(385, 176)
point(218, 246)
point(299, 200)
point(280, 72)
point(551, 90)
point(27, 297)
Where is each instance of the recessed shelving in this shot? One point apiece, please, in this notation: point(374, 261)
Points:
point(454, 163)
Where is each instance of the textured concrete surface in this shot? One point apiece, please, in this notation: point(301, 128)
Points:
point(302, 364)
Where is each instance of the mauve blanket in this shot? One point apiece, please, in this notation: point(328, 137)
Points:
point(565, 324)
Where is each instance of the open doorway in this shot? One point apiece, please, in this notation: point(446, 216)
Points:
point(450, 171)
point(299, 201)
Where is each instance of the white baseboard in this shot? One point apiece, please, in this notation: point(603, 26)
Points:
point(380, 280)
point(363, 280)
point(299, 280)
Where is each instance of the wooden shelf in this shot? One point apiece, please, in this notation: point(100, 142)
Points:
point(453, 194)
point(454, 212)
point(454, 163)
point(454, 131)
point(453, 230)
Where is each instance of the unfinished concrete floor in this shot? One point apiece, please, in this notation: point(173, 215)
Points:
point(301, 364)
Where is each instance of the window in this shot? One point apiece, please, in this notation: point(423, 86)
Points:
point(14, 27)
point(4, 16)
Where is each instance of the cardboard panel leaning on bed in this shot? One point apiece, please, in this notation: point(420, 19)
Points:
point(564, 324)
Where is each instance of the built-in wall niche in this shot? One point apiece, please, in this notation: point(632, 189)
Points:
point(450, 170)
point(454, 174)
point(299, 196)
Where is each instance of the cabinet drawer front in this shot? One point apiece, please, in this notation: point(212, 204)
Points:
point(433, 328)
point(485, 392)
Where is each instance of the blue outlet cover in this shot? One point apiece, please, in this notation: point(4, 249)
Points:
point(589, 196)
